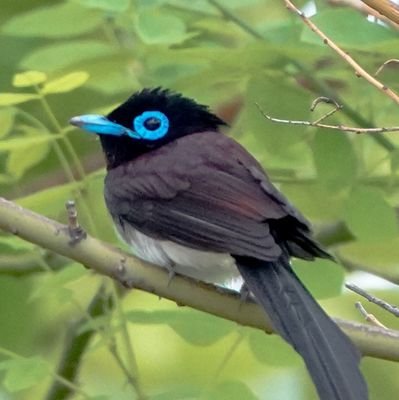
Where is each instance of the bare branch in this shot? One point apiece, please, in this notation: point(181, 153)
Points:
point(318, 85)
point(342, 128)
point(369, 317)
point(372, 299)
point(358, 69)
point(364, 9)
point(323, 99)
point(391, 61)
point(385, 7)
point(326, 100)
point(105, 259)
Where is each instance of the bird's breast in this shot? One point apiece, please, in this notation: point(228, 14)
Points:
point(219, 268)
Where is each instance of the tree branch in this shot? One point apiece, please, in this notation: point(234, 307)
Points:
point(364, 9)
point(343, 54)
point(369, 317)
point(373, 299)
point(132, 272)
point(386, 8)
point(318, 124)
point(317, 85)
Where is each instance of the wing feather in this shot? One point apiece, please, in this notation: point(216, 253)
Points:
point(207, 197)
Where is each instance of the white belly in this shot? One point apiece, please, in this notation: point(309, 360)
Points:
point(206, 266)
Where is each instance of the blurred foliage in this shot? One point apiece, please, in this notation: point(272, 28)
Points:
point(65, 58)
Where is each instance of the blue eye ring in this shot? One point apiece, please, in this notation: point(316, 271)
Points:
point(140, 129)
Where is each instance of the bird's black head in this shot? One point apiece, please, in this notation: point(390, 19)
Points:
point(145, 121)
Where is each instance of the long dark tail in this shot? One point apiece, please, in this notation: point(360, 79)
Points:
point(330, 357)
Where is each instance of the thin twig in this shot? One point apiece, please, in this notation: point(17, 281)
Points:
point(131, 370)
point(390, 61)
point(369, 317)
point(222, 365)
point(358, 69)
point(317, 124)
point(128, 374)
point(326, 100)
point(372, 299)
point(318, 85)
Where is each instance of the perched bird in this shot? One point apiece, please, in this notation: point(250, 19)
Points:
point(193, 200)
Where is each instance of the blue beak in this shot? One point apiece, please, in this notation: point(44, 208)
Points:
point(101, 125)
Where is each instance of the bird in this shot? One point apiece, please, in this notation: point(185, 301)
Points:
point(189, 198)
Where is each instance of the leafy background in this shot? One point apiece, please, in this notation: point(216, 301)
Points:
point(64, 58)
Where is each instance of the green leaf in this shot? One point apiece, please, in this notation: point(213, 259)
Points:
point(323, 278)
point(28, 78)
point(374, 256)
point(272, 349)
point(117, 6)
point(66, 83)
point(100, 397)
point(10, 144)
point(368, 215)
point(394, 160)
point(70, 273)
point(155, 27)
point(57, 21)
point(25, 157)
point(179, 392)
point(230, 390)
point(109, 76)
point(55, 284)
point(206, 7)
point(14, 244)
point(9, 99)
point(311, 199)
point(50, 202)
point(95, 324)
point(7, 117)
point(23, 373)
point(98, 212)
point(193, 326)
point(62, 55)
point(347, 28)
point(335, 160)
point(279, 98)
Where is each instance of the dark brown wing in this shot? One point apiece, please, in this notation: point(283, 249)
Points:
point(204, 192)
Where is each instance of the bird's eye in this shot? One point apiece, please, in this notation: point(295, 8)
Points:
point(151, 125)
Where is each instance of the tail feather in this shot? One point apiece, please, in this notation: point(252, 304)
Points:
point(330, 357)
